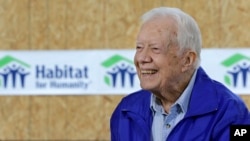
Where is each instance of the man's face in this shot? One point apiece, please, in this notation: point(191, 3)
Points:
point(156, 59)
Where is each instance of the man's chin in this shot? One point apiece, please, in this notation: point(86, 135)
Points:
point(146, 87)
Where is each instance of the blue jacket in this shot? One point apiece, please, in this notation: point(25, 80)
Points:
point(212, 109)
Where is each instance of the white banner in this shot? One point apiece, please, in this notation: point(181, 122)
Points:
point(82, 72)
point(67, 72)
point(229, 66)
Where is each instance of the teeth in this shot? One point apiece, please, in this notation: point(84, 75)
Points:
point(148, 71)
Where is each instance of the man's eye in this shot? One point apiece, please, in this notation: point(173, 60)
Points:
point(138, 47)
point(156, 50)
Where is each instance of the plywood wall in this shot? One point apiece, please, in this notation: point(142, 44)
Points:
point(94, 24)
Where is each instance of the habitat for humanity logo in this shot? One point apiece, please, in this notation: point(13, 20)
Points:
point(237, 70)
point(13, 72)
point(120, 72)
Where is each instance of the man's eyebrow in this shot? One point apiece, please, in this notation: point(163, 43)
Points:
point(153, 44)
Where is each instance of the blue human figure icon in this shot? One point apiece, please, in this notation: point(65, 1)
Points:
point(5, 75)
point(249, 69)
point(235, 73)
point(123, 70)
point(22, 75)
point(244, 70)
point(113, 75)
point(13, 72)
point(132, 74)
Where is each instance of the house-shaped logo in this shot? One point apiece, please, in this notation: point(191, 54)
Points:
point(120, 72)
point(13, 72)
point(237, 71)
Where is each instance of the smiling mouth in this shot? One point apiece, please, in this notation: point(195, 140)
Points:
point(144, 72)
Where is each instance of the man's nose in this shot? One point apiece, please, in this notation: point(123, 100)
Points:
point(144, 56)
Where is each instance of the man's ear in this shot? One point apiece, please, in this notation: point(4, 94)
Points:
point(188, 61)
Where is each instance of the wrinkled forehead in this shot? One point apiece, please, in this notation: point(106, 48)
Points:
point(157, 27)
point(163, 21)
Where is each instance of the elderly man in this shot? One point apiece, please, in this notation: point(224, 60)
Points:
point(178, 100)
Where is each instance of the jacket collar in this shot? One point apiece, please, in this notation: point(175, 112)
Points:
point(203, 97)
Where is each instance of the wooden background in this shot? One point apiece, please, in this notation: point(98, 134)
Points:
point(94, 24)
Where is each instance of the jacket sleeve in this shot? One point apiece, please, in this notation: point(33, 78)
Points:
point(236, 113)
point(114, 123)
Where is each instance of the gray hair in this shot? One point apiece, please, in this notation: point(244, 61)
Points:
point(188, 32)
